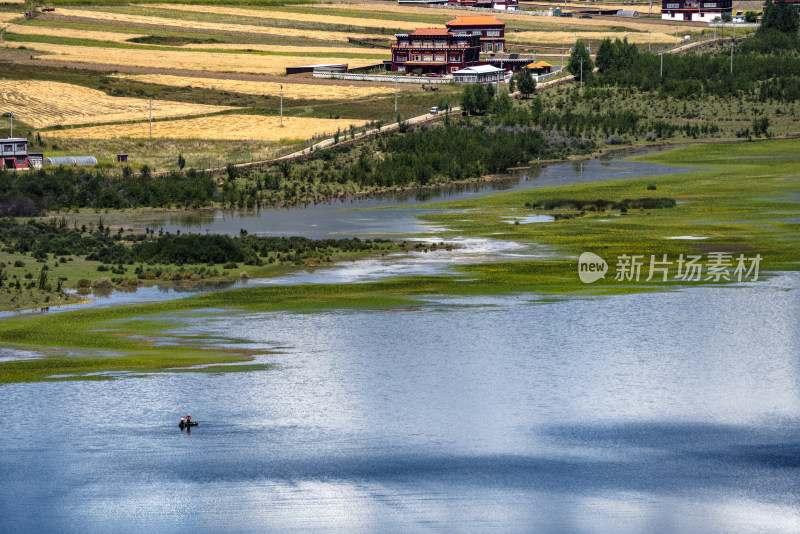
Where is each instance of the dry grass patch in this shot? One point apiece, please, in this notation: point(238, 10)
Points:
point(201, 25)
point(221, 127)
point(188, 60)
point(8, 17)
point(289, 49)
point(281, 15)
point(290, 90)
point(568, 38)
point(43, 104)
point(114, 37)
point(508, 18)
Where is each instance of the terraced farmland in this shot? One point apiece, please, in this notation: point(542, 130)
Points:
point(43, 104)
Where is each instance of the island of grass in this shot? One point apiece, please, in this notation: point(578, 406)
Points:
point(741, 198)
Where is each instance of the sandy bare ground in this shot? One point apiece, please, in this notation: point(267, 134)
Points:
point(42, 104)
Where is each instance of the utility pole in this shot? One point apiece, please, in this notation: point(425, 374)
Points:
point(151, 118)
point(581, 76)
point(395, 94)
point(661, 72)
point(10, 115)
point(732, 57)
point(676, 36)
point(281, 105)
point(650, 39)
point(562, 57)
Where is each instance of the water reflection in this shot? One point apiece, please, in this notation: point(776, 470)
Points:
point(667, 412)
point(323, 219)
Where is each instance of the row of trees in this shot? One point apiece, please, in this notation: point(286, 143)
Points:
point(29, 193)
point(56, 238)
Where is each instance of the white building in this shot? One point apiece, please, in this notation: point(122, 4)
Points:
point(480, 74)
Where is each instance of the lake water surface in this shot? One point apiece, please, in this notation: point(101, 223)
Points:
point(664, 412)
point(668, 412)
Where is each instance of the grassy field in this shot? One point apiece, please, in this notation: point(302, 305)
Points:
point(739, 198)
point(230, 55)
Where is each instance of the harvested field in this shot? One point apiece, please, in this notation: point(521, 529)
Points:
point(308, 50)
point(8, 17)
point(227, 127)
point(114, 37)
point(282, 15)
point(290, 90)
point(188, 60)
point(43, 104)
point(201, 25)
point(508, 18)
point(568, 38)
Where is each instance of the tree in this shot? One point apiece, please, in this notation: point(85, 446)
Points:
point(491, 90)
point(181, 162)
point(43, 278)
point(526, 82)
point(481, 98)
point(501, 105)
point(467, 100)
point(780, 16)
point(726, 17)
point(512, 84)
point(751, 16)
point(580, 52)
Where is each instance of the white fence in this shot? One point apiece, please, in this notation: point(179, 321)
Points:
point(382, 78)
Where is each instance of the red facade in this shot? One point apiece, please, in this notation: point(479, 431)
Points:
point(695, 10)
point(490, 30)
point(14, 153)
point(510, 5)
point(434, 51)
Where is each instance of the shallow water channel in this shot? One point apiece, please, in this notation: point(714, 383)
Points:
point(666, 412)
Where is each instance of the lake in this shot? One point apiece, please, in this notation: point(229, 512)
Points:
point(667, 412)
point(676, 411)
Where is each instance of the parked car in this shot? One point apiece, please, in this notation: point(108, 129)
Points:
point(585, 17)
point(46, 9)
point(435, 110)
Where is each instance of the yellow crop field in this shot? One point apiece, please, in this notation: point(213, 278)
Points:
point(280, 15)
point(288, 49)
point(8, 17)
point(508, 18)
point(290, 90)
point(568, 38)
point(201, 25)
point(227, 127)
point(114, 37)
point(189, 60)
point(42, 104)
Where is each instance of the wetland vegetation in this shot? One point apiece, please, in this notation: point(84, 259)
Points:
point(738, 199)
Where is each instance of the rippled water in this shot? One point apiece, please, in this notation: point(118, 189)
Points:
point(343, 218)
point(668, 412)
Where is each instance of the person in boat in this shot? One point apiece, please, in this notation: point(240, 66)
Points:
point(188, 419)
point(183, 422)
